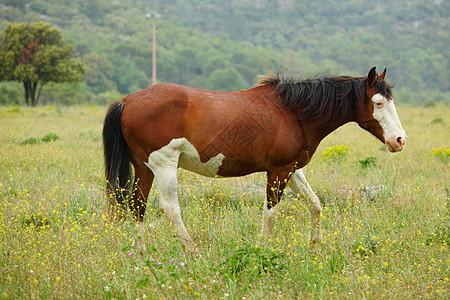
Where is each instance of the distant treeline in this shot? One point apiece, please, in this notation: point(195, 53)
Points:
point(223, 45)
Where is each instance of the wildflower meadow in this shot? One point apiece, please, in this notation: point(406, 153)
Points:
point(386, 220)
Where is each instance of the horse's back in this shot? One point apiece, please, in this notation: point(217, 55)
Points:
point(236, 128)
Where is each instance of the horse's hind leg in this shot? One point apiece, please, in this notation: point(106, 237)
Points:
point(301, 187)
point(164, 164)
point(143, 180)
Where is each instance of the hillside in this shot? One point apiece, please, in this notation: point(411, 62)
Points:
point(409, 37)
point(224, 45)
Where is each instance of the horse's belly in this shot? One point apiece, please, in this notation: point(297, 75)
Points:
point(186, 156)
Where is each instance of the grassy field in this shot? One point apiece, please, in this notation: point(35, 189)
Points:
point(385, 220)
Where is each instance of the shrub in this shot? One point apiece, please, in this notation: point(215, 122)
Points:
point(442, 153)
point(14, 109)
point(50, 137)
point(368, 162)
point(437, 121)
point(254, 259)
point(30, 141)
point(10, 94)
point(429, 103)
point(335, 152)
point(69, 93)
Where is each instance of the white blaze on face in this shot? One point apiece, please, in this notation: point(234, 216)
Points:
point(385, 113)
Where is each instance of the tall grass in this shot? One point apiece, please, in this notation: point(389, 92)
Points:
point(385, 222)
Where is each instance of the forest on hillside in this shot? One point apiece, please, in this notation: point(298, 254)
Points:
point(224, 45)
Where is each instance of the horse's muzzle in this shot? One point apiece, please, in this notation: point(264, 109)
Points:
point(396, 144)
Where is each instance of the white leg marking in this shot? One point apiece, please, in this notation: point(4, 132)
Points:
point(301, 187)
point(164, 163)
point(269, 217)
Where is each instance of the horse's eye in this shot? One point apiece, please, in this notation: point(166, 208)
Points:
point(379, 104)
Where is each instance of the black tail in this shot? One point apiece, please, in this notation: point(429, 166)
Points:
point(117, 162)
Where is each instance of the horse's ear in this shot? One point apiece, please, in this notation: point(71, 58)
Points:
point(372, 76)
point(382, 75)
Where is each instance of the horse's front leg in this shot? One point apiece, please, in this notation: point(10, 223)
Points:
point(276, 183)
point(301, 187)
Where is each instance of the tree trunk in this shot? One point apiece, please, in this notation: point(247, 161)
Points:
point(27, 92)
point(34, 99)
point(30, 93)
point(40, 90)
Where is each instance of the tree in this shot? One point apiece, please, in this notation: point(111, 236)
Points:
point(226, 80)
point(100, 73)
point(36, 54)
point(21, 4)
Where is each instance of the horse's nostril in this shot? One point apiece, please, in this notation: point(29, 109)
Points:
point(399, 139)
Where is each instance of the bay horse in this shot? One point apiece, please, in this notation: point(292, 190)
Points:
point(274, 127)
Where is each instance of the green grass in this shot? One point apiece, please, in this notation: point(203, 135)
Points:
point(386, 228)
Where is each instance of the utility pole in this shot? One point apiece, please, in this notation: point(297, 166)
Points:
point(154, 49)
point(153, 16)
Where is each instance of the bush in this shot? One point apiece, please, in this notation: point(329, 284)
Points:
point(30, 141)
point(429, 103)
point(335, 153)
point(105, 98)
point(63, 93)
point(437, 121)
point(10, 94)
point(368, 162)
point(255, 260)
point(50, 137)
point(13, 110)
point(442, 153)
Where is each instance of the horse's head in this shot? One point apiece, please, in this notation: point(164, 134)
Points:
point(378, 115)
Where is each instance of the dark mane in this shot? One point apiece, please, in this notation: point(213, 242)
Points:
point(322, 99)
